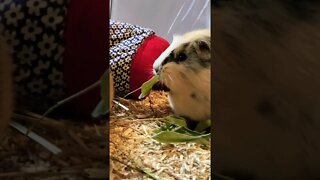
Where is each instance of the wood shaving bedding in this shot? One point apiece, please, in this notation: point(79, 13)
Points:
point(135, 154)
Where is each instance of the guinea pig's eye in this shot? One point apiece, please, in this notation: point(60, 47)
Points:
point(181, 57)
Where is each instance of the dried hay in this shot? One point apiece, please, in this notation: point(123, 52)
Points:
point(135, 155)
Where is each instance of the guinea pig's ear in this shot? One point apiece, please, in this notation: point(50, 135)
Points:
point(203, 49)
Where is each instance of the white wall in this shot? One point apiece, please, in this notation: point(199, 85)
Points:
point(166, 17)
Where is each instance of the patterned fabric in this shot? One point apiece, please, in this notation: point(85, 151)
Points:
point(34, 30)
point(124, 41)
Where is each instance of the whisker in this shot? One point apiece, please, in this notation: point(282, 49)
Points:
point(166, 82)
point(170, 77)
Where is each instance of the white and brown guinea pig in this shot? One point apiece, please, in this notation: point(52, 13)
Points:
point(185, 68)
point(5, 87)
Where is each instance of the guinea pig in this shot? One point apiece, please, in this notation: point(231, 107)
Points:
point(5, 87)
point(266, 105)
point(185, 68)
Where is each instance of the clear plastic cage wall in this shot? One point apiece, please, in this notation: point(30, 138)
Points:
point(166, 17)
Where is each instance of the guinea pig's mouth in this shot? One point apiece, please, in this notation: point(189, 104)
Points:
point(159, 85)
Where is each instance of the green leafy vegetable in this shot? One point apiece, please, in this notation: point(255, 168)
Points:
point(174, 137)
point(185, 130)
point(105, 87)
point(176, 120)
point(147, 86)
point(175, 130)
point(103, 107)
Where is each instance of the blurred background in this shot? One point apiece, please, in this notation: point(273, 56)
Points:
point(165, 17)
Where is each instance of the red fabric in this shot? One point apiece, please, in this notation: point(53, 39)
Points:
point(141, 66)
point(86, 50)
